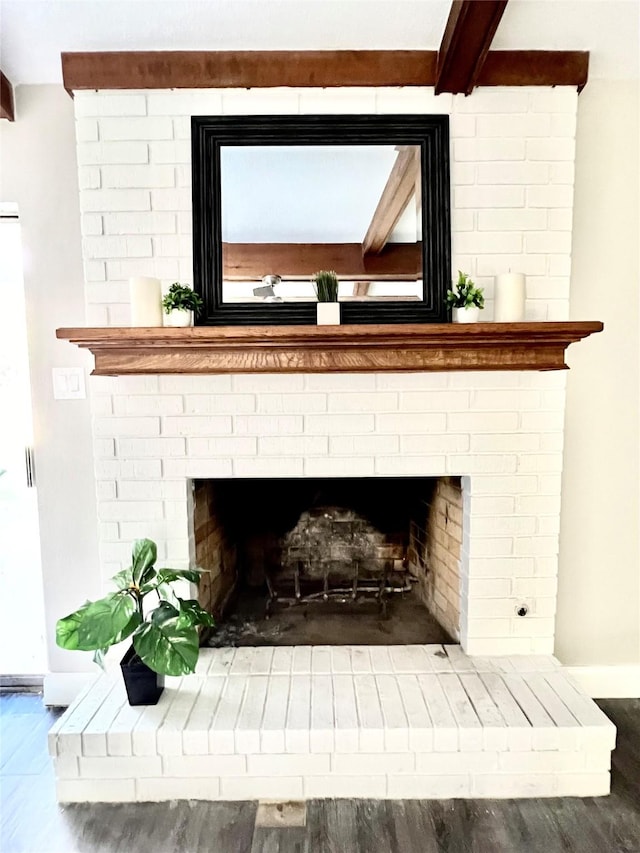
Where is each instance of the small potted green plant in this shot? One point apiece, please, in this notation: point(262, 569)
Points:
point(325, 284)
point(466, 301)
point(165, 637)
point(180, 305)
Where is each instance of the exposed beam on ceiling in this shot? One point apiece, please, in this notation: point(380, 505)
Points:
point(536, 68)
point(252, 261)
point(467, 38)
point(400, 187)
point(266, 69)
point(6, 99)
point(247, 69)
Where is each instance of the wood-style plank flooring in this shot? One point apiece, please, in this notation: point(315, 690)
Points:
point(30, 819)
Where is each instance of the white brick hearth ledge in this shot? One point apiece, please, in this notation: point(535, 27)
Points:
point(338, 721)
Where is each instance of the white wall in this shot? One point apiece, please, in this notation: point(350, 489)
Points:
point(38, 171)
point(598, 619)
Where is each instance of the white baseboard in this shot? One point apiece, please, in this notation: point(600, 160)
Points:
point(61, 688)
point(617, 681)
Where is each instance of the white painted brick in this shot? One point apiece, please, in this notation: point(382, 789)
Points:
point(338, 424)
point(112, 153)
point(159, 790)
point(489, 149)
point(434, 401)
point(212, 468)
point(508, 785)
point(513, 125)
point(551, 149)
point(268, 383)
point(583, 784)
point(114, 426)
point(414, 787)
point(347, 100)
point(136, 223)
point(296, 445)
point(222, 446)
point(519, 219)
point(379, 402)
point(120, 767)
point(109, 104)
point(345, 786)
point(411, 423)
point(559, 99)
point(194, 425)
point(560, 195)
point(106, 200)
point(259, 102)
point(373, 764)
point(288, 765)
point(227, 404)
point(291, 403)
point(129, 510)
point(494, 197)
point(564, 124)
point(170, 151)
point(528, 264)
point(409, 466)
point(95, 790)
point(185, 384)
point(412, 99)
point(88, 177)
point(513, 174)
point(365, 445)
point(135, 128)
point(268, 467)
point(204, 766)
point(335, 382)
point(184, 102)
point(339, 467)
point(86, 130)
point(146, 177)
point(261, 788)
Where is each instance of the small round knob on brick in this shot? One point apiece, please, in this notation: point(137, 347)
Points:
point(522, 610)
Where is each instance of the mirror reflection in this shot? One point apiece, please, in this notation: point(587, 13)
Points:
point(288, 211)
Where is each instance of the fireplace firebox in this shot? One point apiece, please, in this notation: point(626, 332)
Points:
point(340, 560)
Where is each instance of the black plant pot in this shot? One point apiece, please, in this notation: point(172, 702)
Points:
point(144, 686)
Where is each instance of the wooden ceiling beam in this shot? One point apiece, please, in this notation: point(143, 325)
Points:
point(260, 69)
point(465, 44)
point(398, 190)
point(535, 68)
point(7, 109)
point(252, 261)
point(247, 69)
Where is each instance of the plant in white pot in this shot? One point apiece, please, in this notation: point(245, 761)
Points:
point(466, 301)
point(180, 304)
point(325, 284)
point(165, 638)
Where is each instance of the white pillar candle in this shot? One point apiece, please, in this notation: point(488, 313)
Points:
point(509, 297)
point(146, 301)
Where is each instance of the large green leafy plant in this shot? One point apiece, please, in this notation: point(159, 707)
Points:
point(165, 637)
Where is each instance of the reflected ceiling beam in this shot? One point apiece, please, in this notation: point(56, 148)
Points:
point(251, 261)
point(7, 109)
point(470, 29)
point(361, 288)
point(395, 196)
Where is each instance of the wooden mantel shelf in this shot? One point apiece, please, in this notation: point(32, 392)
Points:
point(330, 349)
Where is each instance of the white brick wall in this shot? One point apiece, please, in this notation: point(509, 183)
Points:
point(512, 192)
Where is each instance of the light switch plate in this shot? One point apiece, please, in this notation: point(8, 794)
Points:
point(68, 383)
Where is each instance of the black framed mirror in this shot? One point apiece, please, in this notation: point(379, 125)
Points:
point(277, 198)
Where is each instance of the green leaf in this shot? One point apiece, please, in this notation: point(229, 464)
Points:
point(107, 621)
point(143, 557)
point(170, 575)
point(67, 630)
point(124, 579)
point(192, 614)
point(164, 611)
point(98, 657)
point(167, 647)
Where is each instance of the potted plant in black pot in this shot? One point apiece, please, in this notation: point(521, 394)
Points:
point(165, 637)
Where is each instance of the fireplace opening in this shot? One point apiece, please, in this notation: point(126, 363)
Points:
point(337, 561)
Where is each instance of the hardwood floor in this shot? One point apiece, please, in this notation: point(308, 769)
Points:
point(30, 819)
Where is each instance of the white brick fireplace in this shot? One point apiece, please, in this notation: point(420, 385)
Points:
point(502, 432)
point(512, 186)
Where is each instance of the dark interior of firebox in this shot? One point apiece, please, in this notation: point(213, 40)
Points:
point(315, 561)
